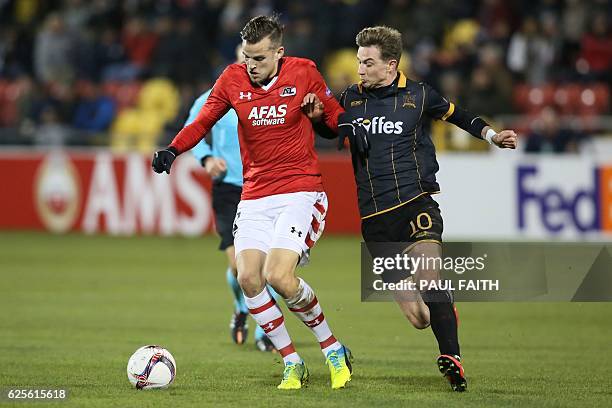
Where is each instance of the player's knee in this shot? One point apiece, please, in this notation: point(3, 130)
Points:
point(279, 273)
point(280, 280)
point(251, 283)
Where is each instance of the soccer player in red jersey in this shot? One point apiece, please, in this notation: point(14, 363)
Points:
point(283, 205)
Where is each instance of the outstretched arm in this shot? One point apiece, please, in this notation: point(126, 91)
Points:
point(440, 108)
point(214, 108)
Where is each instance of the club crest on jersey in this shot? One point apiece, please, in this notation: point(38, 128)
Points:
point(409, 101)
point(288, 91)
point(245, 95)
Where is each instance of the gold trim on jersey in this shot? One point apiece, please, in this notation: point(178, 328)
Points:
point(395, 175)
point(365, 111)
point(451, 109)
point(415, 139)
point(399, 205)
point(371, 185)
point(401, 83)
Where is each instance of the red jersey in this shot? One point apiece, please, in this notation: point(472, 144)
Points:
point(276, 137)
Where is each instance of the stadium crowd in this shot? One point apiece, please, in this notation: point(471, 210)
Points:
point(124, 73)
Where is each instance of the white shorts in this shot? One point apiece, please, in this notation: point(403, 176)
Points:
point(293, 221)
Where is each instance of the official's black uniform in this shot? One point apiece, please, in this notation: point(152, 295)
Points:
point(397, 175)
point(225, 200)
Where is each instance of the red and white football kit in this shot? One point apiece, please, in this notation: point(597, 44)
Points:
point(283, 203)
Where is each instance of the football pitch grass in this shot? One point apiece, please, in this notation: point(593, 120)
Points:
point(74, 308)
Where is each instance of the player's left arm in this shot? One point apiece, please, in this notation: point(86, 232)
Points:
point(440, 108)
point(326, 100)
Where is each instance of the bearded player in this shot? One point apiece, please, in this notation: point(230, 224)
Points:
point(283, 205)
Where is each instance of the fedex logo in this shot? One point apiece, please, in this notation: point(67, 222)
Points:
point(268, 115)
point(559, 206)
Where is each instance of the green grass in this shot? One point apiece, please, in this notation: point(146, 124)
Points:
point(73, 309)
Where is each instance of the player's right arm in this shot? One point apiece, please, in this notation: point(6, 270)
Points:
point(215, 107)
point(215, 166)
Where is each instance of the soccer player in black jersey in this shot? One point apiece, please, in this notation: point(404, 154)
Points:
point(395, 164)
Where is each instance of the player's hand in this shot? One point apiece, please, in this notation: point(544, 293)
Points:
point(506, 139)
point(357, 136)
point(313, 107)
point(163, 159)
point(215, 166)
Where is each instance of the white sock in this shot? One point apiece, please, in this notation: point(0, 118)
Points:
point(269, 317)
point(307, 308)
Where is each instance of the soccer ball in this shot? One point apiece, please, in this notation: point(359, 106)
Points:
point(151, 367)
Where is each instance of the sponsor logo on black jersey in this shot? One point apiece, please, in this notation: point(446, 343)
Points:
point(379, 125)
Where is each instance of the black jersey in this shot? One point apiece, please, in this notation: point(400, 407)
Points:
point(401, 163)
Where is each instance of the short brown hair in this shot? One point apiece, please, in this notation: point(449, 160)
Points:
point(387, 39)
point(261, 27)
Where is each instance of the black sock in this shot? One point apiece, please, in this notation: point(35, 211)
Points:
point(443, 320)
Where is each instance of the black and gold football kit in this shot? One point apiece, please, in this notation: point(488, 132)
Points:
point(397, 175)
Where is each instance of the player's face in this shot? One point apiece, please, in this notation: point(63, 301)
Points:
point(261, 59)
point(373, 71)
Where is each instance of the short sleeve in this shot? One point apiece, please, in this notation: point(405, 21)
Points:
point(436, 106)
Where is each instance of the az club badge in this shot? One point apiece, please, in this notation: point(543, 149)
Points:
point(288, 91)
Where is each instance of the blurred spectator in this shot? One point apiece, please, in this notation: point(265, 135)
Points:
point(481, 53)
point(574, 20)
point(139, 42)
point(231, 21)
point(497, 18)
point(483, 95)
point(164, 55)
point(299, 40)
point(490, 88)
point(76, 14)
point(53, 51)
point(94, 111)
point(532, 52)
point(420, 24)
point(596, 53)
point(51, 132)
point(15, 51)
point(549, 136)
point(191, 62)
point(112, 64)
point(179, 54)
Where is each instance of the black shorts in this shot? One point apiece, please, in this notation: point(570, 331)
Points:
point(419, 220)
point(416, 221)
point(225, 199)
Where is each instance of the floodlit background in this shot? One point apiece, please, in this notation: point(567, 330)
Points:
point(99, 256)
